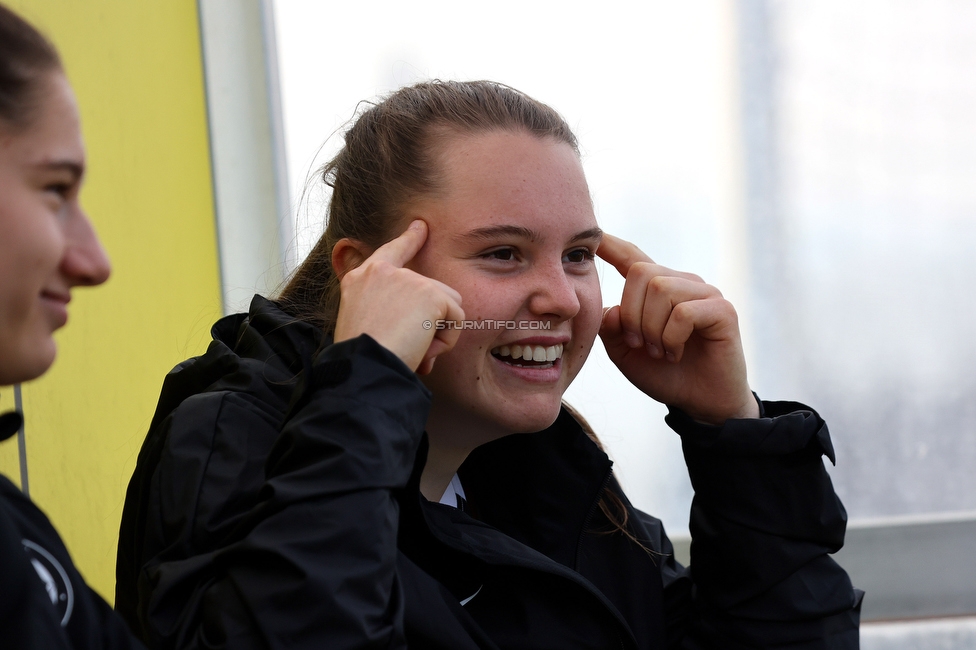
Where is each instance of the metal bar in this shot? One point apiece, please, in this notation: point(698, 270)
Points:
point(22, 440)
point(286, 227)
point(914, 567)
point(221, 273)
point(910, 567)
point(943, 634)
point(247, 157)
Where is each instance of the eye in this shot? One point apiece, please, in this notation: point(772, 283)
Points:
point(578, 256)
point(500, 254)
point(60, 189)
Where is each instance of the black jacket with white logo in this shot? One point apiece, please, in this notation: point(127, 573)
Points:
point(276, 504)
point(44, 603)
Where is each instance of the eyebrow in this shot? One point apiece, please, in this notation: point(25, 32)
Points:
point(75, 169)
point(592, 233)
point(494, 232)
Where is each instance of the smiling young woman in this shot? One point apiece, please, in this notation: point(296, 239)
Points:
point(47, 247)
point(333, 473)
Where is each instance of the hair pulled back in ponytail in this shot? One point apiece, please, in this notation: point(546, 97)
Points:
point(389, 159)
point(25, 57)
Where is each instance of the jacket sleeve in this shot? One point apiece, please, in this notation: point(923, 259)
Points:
point(764, 520)
point(313, 563)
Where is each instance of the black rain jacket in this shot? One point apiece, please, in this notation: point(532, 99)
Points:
point(276, 504)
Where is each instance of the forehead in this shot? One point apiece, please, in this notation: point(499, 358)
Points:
point(501, 177)
point(54, 132)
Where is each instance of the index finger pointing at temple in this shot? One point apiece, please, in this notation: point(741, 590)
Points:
point(400, 250)
point(621, 253)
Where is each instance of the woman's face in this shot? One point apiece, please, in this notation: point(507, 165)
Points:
point(514, 233)
point(47, 245)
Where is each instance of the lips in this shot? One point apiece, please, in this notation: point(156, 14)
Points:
point(62, 297)
point(57, 305)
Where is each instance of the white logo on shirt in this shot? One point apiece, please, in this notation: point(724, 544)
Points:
point(54, 577)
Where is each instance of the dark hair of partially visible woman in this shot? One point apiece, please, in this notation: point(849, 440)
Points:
point(390, 159)
point(24, 55)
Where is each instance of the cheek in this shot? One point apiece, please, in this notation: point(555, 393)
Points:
point(31, 244)
point(588, 320)
point(482, 298)
point(591, 305)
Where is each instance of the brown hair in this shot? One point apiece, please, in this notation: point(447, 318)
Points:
point(25, 55)
point(388, 160)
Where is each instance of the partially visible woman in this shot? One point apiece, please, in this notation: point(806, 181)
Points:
point(47, 247)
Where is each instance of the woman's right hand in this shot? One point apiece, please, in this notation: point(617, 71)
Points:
point(397, 307)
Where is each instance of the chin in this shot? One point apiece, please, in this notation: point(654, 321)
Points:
point(534, 422)
point(31, 366)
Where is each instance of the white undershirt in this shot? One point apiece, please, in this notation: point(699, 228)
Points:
point(453, 491)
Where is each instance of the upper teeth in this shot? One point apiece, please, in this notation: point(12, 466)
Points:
point(530, 352)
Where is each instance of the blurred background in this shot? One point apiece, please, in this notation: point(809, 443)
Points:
point(815, 161)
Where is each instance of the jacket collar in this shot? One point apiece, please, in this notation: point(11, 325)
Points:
point(539, 488)
point(269, 334)
point(279, 344)
point(533, 495)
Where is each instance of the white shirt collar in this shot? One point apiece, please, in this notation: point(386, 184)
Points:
point(453, 492)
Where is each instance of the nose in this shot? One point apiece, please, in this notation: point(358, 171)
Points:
point(553, 292)
point(85, 262)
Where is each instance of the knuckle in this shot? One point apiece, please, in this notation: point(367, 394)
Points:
point(641, 269)
point(350, 278)
point(659, 284)
point(729, 309)
point(671, 339)
point(712, 290)
point(682, 313)
point(382, 267)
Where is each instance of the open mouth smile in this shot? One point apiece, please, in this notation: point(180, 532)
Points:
point(529, 356)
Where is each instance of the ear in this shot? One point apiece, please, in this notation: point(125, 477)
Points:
point(348, 254)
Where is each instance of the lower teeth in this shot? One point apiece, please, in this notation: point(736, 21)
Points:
point(519, 363)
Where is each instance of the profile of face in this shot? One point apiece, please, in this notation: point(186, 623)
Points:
point(513, 231)
point(47, 244)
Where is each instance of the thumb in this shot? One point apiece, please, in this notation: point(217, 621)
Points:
point(611, 326)
point(426, 366)
point(612, 333)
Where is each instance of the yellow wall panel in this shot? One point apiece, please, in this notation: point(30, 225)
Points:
point(136, 68)
point(9, 453)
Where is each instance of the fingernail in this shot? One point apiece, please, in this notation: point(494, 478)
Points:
point(654, 351)
point(669, 356)
point(632, 340)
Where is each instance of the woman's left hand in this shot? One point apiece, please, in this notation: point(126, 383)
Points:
point(676, 338)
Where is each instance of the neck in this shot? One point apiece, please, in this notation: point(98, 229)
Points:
point(451, 436)
point(442, 465)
